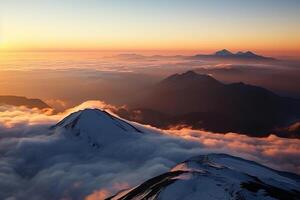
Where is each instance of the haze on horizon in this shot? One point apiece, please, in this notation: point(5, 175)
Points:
point(269, 27)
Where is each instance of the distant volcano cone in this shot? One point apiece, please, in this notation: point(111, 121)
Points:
point(96, 127)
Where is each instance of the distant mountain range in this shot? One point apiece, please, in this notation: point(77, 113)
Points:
point(216, 176)
point(137, 57)
point(222, 54)
point(201, 102)
point(23, 101)
point(225, 54)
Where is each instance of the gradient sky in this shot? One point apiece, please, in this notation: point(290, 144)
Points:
point(269, 25)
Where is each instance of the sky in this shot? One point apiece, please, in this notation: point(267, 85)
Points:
point(265, 26)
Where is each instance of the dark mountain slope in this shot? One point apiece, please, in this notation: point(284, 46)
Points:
point(227, 55)
point(23, 101)
point(202, 102)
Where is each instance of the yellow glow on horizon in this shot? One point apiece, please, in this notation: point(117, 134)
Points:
point(37, 36)
point(33, 39)
point(150, 25)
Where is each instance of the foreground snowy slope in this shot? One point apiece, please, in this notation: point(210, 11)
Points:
point(217, 176)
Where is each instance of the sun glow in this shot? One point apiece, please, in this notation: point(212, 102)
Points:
point(140, 25)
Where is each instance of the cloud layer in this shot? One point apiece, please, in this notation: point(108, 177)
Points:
point(39, 163)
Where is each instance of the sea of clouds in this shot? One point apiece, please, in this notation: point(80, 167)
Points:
point(37, 162)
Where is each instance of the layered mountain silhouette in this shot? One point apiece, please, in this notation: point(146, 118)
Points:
point(23, 101)
point(225, 54)
point(201, 102)
point(221, 54)
point(217, 176)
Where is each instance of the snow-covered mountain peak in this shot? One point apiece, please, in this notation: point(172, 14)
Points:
point(217, 176)
point(224, 161)
point(96, 127)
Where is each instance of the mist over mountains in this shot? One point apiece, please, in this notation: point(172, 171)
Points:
point(116, 79)
point(200, 101)
point(48, 154)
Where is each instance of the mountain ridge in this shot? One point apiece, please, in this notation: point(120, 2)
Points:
point(22, 101)
point(202, 102)
point(216, 176)
point(240, 55)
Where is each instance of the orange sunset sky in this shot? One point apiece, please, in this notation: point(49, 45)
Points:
point(270, 27)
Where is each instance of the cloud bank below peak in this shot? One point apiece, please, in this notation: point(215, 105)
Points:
point(73, 170)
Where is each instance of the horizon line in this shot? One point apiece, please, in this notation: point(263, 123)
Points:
point(284, 53)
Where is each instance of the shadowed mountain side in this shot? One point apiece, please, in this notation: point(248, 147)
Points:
point(201, 102)
point(23, 101)
point(285, 81)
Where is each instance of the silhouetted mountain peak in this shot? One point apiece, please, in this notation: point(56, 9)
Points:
point(23, 101)
point(189, 73)
point(223, 52)
point(248, 54)
point(241, 54)
point(189, 76)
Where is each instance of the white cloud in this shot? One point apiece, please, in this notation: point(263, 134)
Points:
point(37, 164)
